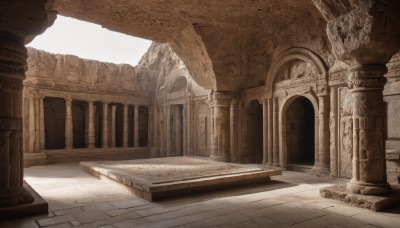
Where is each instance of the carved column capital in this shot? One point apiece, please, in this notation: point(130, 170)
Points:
point(367, 77)
point(222, 99)
point(362, 32)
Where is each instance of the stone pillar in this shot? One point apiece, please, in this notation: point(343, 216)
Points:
point(275, 155)
point(333, 131)
point(136, 126)
point(125, 127)
point(220, 143)
point(168, 129)
point(369, 163)
point(265, 131)
point(104, 141)
point(68, 124)
point(42, 138)
point(270, 132)
point(37, 123)
point(113, 126)
point(91, 130)
point(371, 32)
point(321, 166)
point(32, 125)
point(13, 56)
point(233, 133)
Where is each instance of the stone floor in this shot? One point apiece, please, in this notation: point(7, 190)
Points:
point(77, 199)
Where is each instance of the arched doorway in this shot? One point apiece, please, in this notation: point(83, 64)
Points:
point(300, 134)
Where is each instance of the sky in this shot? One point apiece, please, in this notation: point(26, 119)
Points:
point(90, 41)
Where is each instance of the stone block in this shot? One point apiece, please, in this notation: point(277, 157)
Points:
point(374, 203)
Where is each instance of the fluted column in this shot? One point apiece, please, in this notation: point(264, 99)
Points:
point(150, 133)
point(270, 132)
point(42, 138)
point(265, 131)
point(113, 126)
point(37, 123)
point(125, 127)
point(91, 130)
point(13, 56)
point(369, 164)
point(220, 143)
point(321, 165)
point(136, 126)
point(233, 128)
point(275, 132)
point(333, 131)
point(104, 143)
point(68, 124)
point(168, 129)
point(32, 124)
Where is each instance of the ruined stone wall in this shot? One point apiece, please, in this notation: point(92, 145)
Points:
point(175, 87)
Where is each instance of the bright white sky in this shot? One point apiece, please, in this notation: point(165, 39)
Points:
point(90, 41)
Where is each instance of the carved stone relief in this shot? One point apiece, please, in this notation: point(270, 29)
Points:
point(345, 133)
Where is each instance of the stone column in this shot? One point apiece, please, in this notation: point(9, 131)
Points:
point(37, 123)
point(20, 21)
point(13, 56)
point(125, 127)
point(233, 133)
point(136, 126)
point(265, 131)
point(270, 132)
point(275, 155)
point(150, 133)
point(113, 126)
point(220, 143)
point(321, 166)
point(42, 138)
point(369, 163)
point(168, 129)
point(32, 125)
point(333, 131)
point(68, 124)
point(104, 141)
point(371, 32)
point(91, 130)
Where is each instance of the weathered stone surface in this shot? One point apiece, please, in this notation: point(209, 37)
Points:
point(375, 203)
point(155, 178)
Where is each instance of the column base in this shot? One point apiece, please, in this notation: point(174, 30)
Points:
point(36, 206)
point(15, 198)
point(320, 170)
point(363, 188)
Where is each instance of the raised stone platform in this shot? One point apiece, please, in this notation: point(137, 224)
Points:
point(374, 203)
point(158, 178)
point(38, 206)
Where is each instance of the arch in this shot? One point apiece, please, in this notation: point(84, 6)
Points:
point(283, 126)
point(296, 53)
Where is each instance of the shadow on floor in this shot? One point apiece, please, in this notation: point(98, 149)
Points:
point(223, 193)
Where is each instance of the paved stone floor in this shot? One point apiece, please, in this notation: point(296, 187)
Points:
point(77, 199)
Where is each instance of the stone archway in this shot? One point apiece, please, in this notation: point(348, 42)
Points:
point(300, 133)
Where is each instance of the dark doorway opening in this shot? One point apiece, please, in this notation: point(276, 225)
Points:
point(300, 132)
point(79, 123)
point(54, 115)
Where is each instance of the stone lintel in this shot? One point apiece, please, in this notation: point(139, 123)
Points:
point(374, 203)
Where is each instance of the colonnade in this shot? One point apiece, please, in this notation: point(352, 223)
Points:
point(36, 123)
